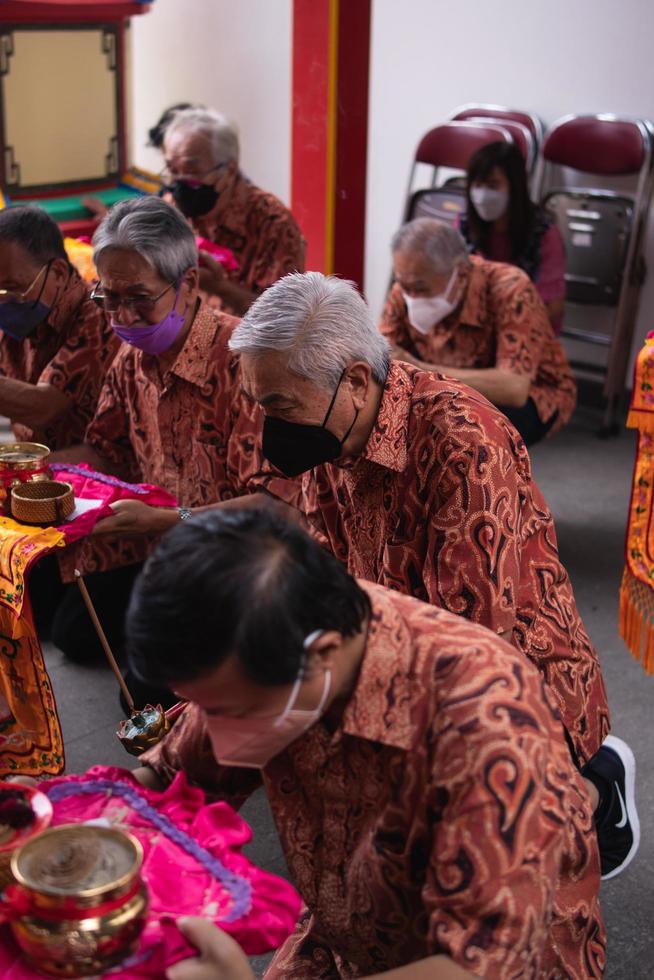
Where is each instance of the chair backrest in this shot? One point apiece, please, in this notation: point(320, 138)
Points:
point(604, 145)
point(521, 136)
point(452, 144)
point(446, 203)
point(502, 113)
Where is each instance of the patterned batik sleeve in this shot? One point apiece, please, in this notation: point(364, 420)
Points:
point(498, 807)
point(393, 323)
point(522, 325)
point(472, 562)
point(108, 432)
point(281, 251)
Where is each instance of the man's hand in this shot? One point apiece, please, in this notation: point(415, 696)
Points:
point(212, 274)
point(135, 517)
point(221, 958)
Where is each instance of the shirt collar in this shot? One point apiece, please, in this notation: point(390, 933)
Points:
point(387, 443)
point(195, 362)
point(380, 708)
point(474, 310)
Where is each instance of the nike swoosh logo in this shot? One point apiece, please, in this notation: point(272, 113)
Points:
point(623, 821)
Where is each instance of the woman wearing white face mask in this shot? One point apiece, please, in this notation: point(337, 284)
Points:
point(503, 224)
point(380, 760)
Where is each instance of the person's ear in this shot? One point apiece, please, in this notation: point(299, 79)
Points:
point(358, 378)
point(190, 280)
point(60, 270)
point(323, 651)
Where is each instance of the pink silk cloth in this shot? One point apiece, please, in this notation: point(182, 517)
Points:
point(192, 865)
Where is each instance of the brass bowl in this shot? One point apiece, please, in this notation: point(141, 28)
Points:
point(42, 502)
point(86, 903)
point(20, 462)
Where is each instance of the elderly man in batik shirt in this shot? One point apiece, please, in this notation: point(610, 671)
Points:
point(171, 413)
point(56, 344)
point(202, 176)
point(481, 322)
point(417, 482)
point(427, 805)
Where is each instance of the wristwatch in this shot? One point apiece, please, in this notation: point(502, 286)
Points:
point(184, 513)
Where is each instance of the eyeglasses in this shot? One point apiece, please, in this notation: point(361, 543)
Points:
point(166, 176)
point(139, 304)
point(7, 296)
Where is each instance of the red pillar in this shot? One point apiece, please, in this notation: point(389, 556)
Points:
point(331, 57)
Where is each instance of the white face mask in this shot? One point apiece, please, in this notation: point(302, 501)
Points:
point(425, 312)
point(253, 742)
point(489, 204)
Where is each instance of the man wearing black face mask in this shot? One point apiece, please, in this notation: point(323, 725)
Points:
point(203, 179)
point(56, 344)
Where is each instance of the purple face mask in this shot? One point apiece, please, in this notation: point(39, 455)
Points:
point(156, 338)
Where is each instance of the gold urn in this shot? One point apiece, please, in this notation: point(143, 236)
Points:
point(21, 462)
point(79, 904)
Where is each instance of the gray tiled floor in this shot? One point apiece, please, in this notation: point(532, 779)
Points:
point(586, 481)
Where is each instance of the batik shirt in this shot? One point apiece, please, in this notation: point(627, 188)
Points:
point(441, 814)
point(441, 505)
point(71, 351)
point(260, 231)
point(192, 431)
point(502, 323)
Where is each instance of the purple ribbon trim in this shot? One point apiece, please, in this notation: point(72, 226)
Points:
point(111, 481)
point(238, 888)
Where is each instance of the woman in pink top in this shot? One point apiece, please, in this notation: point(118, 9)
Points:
point(503, 224)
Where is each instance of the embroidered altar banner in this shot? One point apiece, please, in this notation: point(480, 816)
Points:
point(636, 619)
point(30, 733)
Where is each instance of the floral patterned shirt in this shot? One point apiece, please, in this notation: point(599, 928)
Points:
point(442, 814)
point(502, 323)
point(441, 505)
point(72, 351)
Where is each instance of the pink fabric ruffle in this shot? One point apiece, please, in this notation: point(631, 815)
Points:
point(178, 882)
point(87, 484)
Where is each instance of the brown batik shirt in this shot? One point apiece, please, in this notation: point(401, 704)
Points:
point(443, 814)
point(71, 351)
point(261, 232)
point(502, 323)
point(441, 505)
point(192, 432)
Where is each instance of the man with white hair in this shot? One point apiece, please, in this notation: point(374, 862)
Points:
point(202, 175)
point(478, 321)
point(418, 483)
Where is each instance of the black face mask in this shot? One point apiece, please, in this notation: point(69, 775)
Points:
point(193, 201)
point(295, 448)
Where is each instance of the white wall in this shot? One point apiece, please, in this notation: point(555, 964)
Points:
point(234, 56)
point(549, 56)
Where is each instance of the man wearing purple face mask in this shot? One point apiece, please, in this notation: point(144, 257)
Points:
point(171, 412)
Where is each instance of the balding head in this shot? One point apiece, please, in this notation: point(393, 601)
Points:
point(437, 242)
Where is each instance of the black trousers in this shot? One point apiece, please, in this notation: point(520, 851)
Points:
point(527, 421)
point(61, 616)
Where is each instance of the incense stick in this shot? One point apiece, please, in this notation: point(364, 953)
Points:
point(103, 640)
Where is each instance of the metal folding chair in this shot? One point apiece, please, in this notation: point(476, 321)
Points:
point(447, 147)
point(603, 232)
point(525, 128)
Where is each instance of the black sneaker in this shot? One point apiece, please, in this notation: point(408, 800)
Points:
point(616, 819)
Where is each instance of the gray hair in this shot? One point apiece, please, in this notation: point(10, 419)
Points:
point(323, 324)
point(219, 131)
point(154, 229)
point(440, 243)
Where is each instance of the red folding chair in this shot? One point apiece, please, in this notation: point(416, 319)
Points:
point(450, 147)
point(603, 231)
point(525, 128)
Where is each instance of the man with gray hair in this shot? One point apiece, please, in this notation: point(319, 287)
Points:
point(202, 176)
point(418, 483)
point(171, 412)
point(478, 321)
